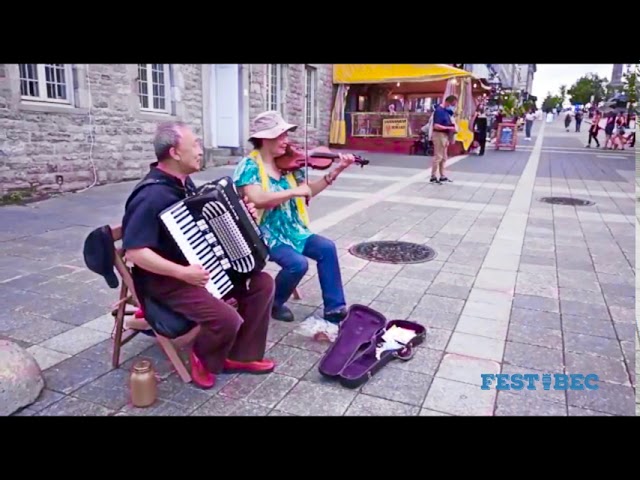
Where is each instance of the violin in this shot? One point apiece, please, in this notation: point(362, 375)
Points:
point(320, 158)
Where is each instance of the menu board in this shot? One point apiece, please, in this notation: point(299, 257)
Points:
point(506, 135)
point(394, 127)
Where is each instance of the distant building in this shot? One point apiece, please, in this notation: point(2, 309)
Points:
point(616, 76)
point(527, 73)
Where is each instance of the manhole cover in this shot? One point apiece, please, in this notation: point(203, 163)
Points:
point(393, 252)
point(575, 202)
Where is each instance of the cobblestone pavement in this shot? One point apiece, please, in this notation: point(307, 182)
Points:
point(518, 286)
point(637, 286)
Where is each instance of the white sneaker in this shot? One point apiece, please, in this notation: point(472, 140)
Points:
point(312, 326)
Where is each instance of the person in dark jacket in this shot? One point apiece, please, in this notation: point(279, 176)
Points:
point(480, 129)
point(578, 120)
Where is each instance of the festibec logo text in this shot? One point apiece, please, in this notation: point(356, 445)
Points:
point(532, 381)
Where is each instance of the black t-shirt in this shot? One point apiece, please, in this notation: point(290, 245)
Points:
point(141, 225)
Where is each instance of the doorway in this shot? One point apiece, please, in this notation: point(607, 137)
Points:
point(225, 105)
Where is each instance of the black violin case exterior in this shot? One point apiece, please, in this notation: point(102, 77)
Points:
point(352, 358)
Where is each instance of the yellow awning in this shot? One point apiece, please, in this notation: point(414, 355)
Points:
point(387, 73)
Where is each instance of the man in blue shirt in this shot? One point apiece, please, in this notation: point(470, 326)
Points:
point(443, 131)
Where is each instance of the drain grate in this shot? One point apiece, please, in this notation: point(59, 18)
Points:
point(570, 201)
point(393, 252)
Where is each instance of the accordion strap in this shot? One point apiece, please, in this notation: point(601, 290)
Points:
point(155, 181)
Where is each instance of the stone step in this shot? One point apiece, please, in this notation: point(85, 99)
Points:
point(218, 161)
point(221, 152)
point(219, 156)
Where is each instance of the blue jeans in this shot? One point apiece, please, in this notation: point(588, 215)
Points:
point(294, 266)
point(528, 126)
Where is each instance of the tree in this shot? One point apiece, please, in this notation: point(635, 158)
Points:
point(563, 93)
point(551, 102)
point(587, 86)
point(528, 105)
point(631, 87)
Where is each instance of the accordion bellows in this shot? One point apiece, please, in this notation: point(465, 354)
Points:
point(214, 228)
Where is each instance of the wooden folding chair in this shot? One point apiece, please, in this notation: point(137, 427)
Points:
point(126, 330)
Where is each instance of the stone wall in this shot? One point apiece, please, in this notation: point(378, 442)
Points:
point(47, 147)
point(294, 98)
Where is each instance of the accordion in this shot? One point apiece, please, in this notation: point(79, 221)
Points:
point(214, 228)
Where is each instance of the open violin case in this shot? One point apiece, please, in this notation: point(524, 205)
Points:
point(359, 349)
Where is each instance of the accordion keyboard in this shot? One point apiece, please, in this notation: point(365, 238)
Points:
point(200, 247)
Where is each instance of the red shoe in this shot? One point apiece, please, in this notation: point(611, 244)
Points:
point(199, 374)
point(257, 366)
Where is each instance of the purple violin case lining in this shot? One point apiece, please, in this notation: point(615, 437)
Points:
point(352, 356)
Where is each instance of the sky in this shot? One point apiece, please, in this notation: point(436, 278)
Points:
point(549, 77)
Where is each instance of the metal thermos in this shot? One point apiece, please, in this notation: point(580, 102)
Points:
point(143, 384)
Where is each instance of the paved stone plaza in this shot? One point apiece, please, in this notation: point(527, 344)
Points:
point(518, 286)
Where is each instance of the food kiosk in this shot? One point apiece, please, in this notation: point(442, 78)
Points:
point(383, 107)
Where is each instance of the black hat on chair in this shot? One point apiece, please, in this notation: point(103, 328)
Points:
point(99, 254)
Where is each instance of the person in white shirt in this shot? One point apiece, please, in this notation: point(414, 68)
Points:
point(528, 125)
point(550, 117)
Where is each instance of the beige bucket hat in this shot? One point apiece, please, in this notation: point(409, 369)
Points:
point(270, 125)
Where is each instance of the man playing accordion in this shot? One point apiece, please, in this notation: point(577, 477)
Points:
point(229, 340)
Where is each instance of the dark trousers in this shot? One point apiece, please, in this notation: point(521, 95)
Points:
point(593, 136)
point(528, 126)
point(481, 138)
point(483, 143)
point(295, 265)
point(578, 123)
point(224, 332)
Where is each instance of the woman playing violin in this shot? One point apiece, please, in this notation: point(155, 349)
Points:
point(280, 198)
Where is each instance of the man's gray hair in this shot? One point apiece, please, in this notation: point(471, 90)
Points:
point(168, 134)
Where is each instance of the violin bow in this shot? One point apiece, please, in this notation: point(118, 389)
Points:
point(304, 121)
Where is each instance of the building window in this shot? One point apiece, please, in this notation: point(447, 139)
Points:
point(276, 81)
point(46, 82)
point(154, 87)
point(311, 94)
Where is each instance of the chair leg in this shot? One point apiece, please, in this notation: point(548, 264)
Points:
point(117, 338)
point(174, 358)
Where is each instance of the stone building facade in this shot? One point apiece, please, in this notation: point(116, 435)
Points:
point(60, 123)
point(283, 88)
point(64, 127)
point(236, 93)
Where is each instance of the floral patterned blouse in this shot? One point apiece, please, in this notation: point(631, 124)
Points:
point(282, 224)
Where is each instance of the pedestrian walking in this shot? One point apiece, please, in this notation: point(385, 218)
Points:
point(549, 116)
point(567, 121)
point(528, 124)
point(608, 130)
point(497, 120)
point(619, 139)
point(578, 120)
point(593, 130)
point(480, 129)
